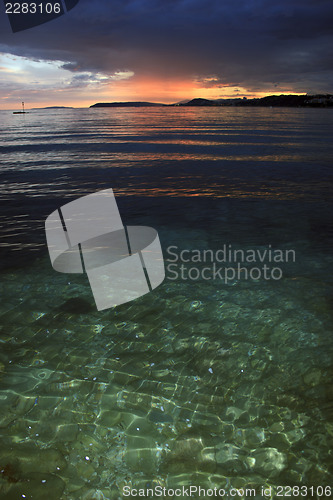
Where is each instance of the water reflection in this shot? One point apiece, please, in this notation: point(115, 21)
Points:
point(199, 382)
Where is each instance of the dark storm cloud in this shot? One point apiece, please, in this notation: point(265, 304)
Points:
point(256, 44)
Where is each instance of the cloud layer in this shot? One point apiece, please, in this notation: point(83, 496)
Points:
point(255, 45)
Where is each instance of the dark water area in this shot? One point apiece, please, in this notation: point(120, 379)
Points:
point(204, 381)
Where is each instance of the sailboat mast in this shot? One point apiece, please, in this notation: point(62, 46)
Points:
point(23, 106)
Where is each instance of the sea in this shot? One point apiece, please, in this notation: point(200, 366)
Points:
point(218, 382)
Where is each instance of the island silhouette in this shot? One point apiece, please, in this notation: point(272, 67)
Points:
point(283, 100)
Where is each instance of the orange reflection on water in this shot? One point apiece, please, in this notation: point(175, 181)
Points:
point(212, 191)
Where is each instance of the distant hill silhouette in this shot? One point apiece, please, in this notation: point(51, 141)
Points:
point(294, 100)
point(134, 104)
point(56, 107)
point(200, 102)
point(283, 100)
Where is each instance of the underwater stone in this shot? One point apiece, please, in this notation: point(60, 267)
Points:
point(207, 462)
point(258, 364)
point(254, 437)
point(250, 461)
point(187, 447)
point(109, 418)
point(75, 484)
point(269, 461)
point(33, 459)
point(67, 432)
point(158, 416)
point(231, 458)
point(233, 413)
point(278, 440)
point(142, 460)
point(36, 485)
point(295, 435)
point(85, 468)
point(277, 427)
point(312, 377)
point(93, 495)
point(183, 456)
point(76, 305)
point(91, 444)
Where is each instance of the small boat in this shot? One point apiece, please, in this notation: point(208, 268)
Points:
point(20, 112)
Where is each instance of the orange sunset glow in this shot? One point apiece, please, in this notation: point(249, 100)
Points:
point(131, 89)
point(50, 83)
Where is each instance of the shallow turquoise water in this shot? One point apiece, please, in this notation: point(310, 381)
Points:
point(200, 382)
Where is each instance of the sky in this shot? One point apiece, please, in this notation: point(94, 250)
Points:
point(168, 51)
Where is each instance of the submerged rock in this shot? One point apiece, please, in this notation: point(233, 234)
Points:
point(184, 454)
point(35, 485)
point(269, 461)
point(231, 458)
point(76, 305)
point(312, 377)
point(94, 495)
